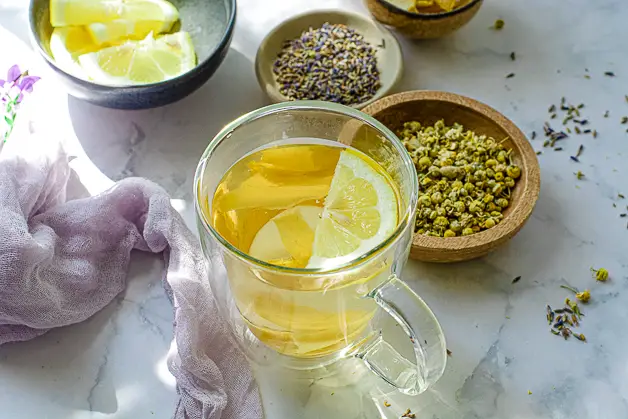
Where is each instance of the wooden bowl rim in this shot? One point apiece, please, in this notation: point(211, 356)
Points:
point(391, 42)
point(428, 16)
point(530, 180)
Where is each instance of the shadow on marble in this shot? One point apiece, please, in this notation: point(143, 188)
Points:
point(157, 143)
point(60, 363)
point(355, 394)
point(96, 365)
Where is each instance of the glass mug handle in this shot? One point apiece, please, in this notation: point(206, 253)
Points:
point(424, 331)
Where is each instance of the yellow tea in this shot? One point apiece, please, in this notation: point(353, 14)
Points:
point(312, 205)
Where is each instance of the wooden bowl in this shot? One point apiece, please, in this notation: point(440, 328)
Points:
point(389, 59)
point(427, 107)
point(423, 25)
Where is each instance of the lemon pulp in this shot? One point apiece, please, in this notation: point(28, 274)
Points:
point(67, 44)
point(360, 212)
point(85, 12)
point(150, 60)
point(113, 32)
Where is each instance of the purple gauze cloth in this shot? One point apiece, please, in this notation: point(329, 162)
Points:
point(62, 261)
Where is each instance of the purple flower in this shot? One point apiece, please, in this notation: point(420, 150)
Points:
point(13, 74)
point(17, 83)
point(27, 82)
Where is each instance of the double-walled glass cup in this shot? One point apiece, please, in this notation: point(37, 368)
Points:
point(307, 319)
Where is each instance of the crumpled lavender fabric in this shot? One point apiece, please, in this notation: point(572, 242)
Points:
point(62, 260)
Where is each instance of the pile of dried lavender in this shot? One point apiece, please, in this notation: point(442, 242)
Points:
point(332, 63)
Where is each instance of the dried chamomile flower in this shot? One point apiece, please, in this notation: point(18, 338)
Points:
point(465, 179)
point(600, 274)
point(584, 296)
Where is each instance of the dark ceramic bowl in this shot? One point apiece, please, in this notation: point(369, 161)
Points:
point(210, 23)
point(423, 25)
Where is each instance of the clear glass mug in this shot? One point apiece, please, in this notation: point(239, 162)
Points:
point(307, 319)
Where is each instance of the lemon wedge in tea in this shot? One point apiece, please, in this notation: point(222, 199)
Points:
point(360, 211)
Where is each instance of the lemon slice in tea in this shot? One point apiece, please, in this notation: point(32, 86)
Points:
point(287, 239)
point(360, 212)
point(85, 12)
point(141, 62)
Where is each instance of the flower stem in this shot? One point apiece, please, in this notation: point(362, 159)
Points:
point(567, 287)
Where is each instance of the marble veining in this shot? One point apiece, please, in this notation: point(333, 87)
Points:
point(504, 364)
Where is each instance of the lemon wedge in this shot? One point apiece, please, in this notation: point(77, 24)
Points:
point(287, 239)
point(85, 12)
point(117, 30)
point(360, 212)
point(141, 62)
point(67, 44)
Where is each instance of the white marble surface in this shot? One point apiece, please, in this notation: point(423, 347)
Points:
point(113, 365)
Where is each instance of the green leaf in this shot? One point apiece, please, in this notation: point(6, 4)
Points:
point(9, 120)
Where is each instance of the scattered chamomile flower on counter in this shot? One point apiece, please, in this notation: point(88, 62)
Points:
point(600, 274)
point(584, 296)
point(408, 414)
point(498, 25)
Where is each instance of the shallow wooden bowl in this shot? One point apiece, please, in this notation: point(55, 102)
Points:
point(427, 107)
point(389, 58)
point(422, 25)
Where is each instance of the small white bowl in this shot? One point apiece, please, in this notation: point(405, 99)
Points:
point(389, 58)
